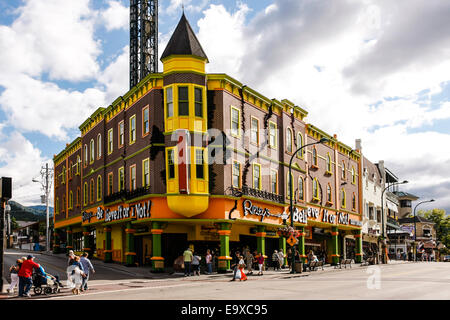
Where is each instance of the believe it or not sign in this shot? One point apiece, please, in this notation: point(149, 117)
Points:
point(328, 217)
point(139, 211)
point(251, 209)
point(303, 215)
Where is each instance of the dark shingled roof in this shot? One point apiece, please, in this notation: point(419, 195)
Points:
point(184, 41)
point(417, 218)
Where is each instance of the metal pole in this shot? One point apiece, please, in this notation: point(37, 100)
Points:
point(47, 241)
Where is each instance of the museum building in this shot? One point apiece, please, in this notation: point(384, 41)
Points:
point(188, 158)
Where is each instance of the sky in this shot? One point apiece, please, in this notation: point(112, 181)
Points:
point(378, 71)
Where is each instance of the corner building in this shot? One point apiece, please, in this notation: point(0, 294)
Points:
point(190, 158)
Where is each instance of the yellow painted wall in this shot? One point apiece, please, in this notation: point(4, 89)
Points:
point(100, 237)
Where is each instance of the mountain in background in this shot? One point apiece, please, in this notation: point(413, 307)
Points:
point(31, 213)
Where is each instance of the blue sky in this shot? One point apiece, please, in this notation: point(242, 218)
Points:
point(374, 70)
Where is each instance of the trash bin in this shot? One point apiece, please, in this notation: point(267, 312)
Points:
point(298, 267)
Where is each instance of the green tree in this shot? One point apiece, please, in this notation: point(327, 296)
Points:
point(442, 226)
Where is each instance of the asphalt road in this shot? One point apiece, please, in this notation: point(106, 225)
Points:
point(406, 281)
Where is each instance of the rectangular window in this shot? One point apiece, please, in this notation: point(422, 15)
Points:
point(257, 176)
point(110, 141)
point(146, 172)
point(110, 183)
point(121, 134)
point(199, 164)
point(198, 102)
point(255, 131)
point(133, 177)
point(169, 104)
point(121, 179)
point(171, 163)
point(145, 121)
point(272, 135)
point(183, 101)
point(236, 174)
point(235, 121)
point(133, 129)
point(274, 182)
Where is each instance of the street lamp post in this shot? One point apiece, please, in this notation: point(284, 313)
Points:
point(415, 234)
point(291, 211)
point(382, 208)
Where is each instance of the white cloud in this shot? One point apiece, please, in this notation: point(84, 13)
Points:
point(21, 161)
point(341, 61)
point(117, 16)
point(175, 6)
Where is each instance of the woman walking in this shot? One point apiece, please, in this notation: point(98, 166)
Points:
point(260, 260)
point(75, 275)
point(208, 261)
point(13, 271)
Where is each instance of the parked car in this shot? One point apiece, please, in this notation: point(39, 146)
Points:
point(446, 258)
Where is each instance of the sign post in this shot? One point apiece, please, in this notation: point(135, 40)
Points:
point(5, 195)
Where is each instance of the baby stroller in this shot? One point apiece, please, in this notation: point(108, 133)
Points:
point(45, 282)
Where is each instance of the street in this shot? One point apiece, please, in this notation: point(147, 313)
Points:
point(396, 281)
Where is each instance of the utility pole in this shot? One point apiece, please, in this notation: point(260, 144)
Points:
point(47, 174)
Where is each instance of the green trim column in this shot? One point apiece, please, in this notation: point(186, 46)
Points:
point(335, 245)
point(282, 244)
point(56, 246)
point(223, 261)
point(130, 251)
point(86, 242)
point(108, 249)
point(157, 259)
point(69, 244)
point(261, 240)
point(301, 243)
point(358, 247)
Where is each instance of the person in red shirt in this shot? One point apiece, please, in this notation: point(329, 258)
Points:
point(25, 273)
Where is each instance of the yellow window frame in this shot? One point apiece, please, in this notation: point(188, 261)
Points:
point(132, 141)
point(257, 130)
point(99, 190)
point(121, 172)
point(270, 134)
point(276, 180)
point(238, 135)
point(145, 163)
point(343, 198)
point(316, 193)
point(301, 152)
point(259, 176)
point(131, 177)
point(110, 140)
point(239, 176)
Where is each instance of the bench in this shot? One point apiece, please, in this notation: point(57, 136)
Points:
point(313, 266)
point(370, 260)
point(345, 262)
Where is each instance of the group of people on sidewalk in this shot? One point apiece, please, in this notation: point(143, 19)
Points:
point(21, 275)
point(78, 272)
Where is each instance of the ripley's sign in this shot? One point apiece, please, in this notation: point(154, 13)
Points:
point(136, 211)
point(249, 208)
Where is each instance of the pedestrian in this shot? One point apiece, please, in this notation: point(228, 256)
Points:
point(13, 272)
point(281, 258)
point(235, 265)
point(25, 273)
point(289, 254)
point(196, 264)
point(71, 258)
point(87, 267)
point(275, 262)
point(75, 274)
point(208, 260)
point(242, 268)
point(187, 258)
point(260, 260)
point(249, 259)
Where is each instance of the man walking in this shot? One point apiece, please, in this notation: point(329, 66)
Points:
point(187, 258)
point(87, 266)
point(235, 264)
point(248, 260)
point(25, 273)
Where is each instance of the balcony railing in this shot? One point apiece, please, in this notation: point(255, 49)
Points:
point(257, 194)
point(127, 194)
point(392, 221)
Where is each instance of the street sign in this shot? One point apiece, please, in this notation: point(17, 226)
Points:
point(292, 241)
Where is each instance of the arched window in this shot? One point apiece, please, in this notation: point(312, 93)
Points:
point(342, 198)
point(99, 188)
point(314, 157)
point(91, 191)
point(299, 145)
point(343, 170)
point(92, 150)
point(328, 163)
point(85, 154)
point(315, 189)
point(288, 180)
point(78, 164)
point(85, 194)
point(329, 197)
point(99, 146)
point(71, 170)
point(289, 140)
point(57, 205)
point(301, 192)
point(353, 175)
point(70, 200)
point(353, 201)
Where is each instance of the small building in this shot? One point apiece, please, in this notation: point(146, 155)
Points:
point(26, 235)
point(425, 232)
